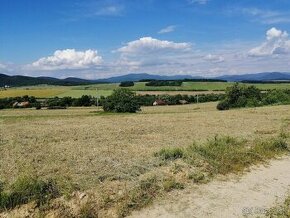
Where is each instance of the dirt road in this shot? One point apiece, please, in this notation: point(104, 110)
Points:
point(250, 195)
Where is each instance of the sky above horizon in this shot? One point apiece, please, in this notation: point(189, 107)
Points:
point(102, 38)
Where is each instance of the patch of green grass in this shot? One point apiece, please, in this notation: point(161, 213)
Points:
point(140, 196)
point(26, 189)
point(281, 211)
point(170, 153)
point(77, 93)
point(223, 155)
point(197, 177)
point(170, 184)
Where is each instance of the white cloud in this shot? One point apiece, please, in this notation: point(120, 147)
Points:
point(214, 58)
point(265, 16)
point(277, 42)
point(148, 45)
point(167, 29)
point(68, 59)
point(201, 2)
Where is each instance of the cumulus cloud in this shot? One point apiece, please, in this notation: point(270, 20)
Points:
point(68, 59)
point(277, 43)
point(214, 58)
point(148, 45)
point(167, 29)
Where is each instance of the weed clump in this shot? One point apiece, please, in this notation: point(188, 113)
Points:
point(170, 153)
point(140, 196)
point(27, 189)
point(88, 210)
point(223, 154)
point(171, 184)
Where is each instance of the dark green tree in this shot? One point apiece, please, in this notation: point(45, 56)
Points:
point(121, 101)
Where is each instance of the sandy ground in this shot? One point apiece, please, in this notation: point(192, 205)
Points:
point(247, 196)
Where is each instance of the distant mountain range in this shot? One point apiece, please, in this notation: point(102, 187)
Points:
point(27, 80)
point(273, 76)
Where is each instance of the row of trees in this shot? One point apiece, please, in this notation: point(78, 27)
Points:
point(121, 97)
point(126, 84)
point(8, 102)
point(239, 96)
point(164, 83)
point(124, 100)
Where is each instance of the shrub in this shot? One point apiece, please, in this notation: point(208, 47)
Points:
point(170, 153)
point(121, 101)
point(126, 84)
point(249, 96)
point(223, 105)
point(164, 83)
point(276, 96)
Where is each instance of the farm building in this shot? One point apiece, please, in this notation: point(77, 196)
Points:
point(159, 102)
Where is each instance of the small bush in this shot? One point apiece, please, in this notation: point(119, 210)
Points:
point(276, 97)
point(170, 153)
point(223, 105)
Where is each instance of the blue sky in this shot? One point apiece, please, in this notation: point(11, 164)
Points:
point(102, 38)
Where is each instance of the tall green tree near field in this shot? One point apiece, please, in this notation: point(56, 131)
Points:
point(121, 101)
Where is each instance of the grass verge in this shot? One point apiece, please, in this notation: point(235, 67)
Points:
point(281, 211)
point(198, 163)
point(178, 167)
point(26, 189)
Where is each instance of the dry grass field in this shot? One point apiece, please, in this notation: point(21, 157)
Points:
point(86, 148)
point(39, 93)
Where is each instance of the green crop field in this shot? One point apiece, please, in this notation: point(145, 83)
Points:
point(45, 91)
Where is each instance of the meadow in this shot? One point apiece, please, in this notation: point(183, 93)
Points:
point(85, 149)
point(190, 88)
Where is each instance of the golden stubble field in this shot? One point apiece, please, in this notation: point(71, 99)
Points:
point(85, 147)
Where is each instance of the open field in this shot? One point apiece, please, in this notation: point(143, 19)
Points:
point(186, 86)
point(85, 149)
point(39, 93)
point(106, 89)
point(85, 146)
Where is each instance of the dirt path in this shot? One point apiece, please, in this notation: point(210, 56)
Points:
point(248, 196)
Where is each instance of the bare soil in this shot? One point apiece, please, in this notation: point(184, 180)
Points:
point(250, 195)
